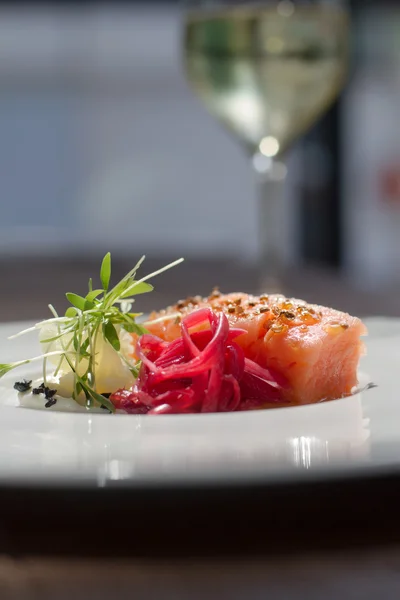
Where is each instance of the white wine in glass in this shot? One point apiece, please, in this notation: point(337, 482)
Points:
point(267, 71)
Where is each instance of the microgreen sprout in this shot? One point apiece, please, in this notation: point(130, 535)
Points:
point(102, 312)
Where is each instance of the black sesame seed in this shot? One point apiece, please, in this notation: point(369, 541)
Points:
point(39, 390)
point(23, 386)
point(44, 389)
point(50, 402)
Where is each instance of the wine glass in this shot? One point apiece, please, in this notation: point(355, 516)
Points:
point(267, 71)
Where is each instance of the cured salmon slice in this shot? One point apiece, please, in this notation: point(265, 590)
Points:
point(317, 349)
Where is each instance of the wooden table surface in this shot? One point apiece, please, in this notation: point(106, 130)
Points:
point(350, 576)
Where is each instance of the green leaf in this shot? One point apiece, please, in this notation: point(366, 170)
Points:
point(82, 348)
point(135, 370)
point(89, 305)
point(52, 339)
point(76, 300)
point(111, 335)
point(75, 342)
point(132, 327)
point(121, 286)
point(105, 271)
point(71, 312)
point(135, 289)
point(102, 400)
point(6, 368)
point(92, 295)
point(89, 392)
point(77, 391)
point(97, 315)
point(85, 345)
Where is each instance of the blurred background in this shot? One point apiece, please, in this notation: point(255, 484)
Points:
point(103, 146)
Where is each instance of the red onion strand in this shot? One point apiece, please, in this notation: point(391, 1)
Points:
point(202, 371)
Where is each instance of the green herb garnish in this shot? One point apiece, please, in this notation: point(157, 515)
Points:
point(102, 312)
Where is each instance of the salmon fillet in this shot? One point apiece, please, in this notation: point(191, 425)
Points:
point(317, 349)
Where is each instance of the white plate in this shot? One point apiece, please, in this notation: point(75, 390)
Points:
point(349, 436)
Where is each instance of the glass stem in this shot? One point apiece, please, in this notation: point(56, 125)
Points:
point(271, 220)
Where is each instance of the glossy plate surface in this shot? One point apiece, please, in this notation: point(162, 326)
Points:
point(350, 436)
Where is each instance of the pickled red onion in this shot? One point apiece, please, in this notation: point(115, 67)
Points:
point(204, 370)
